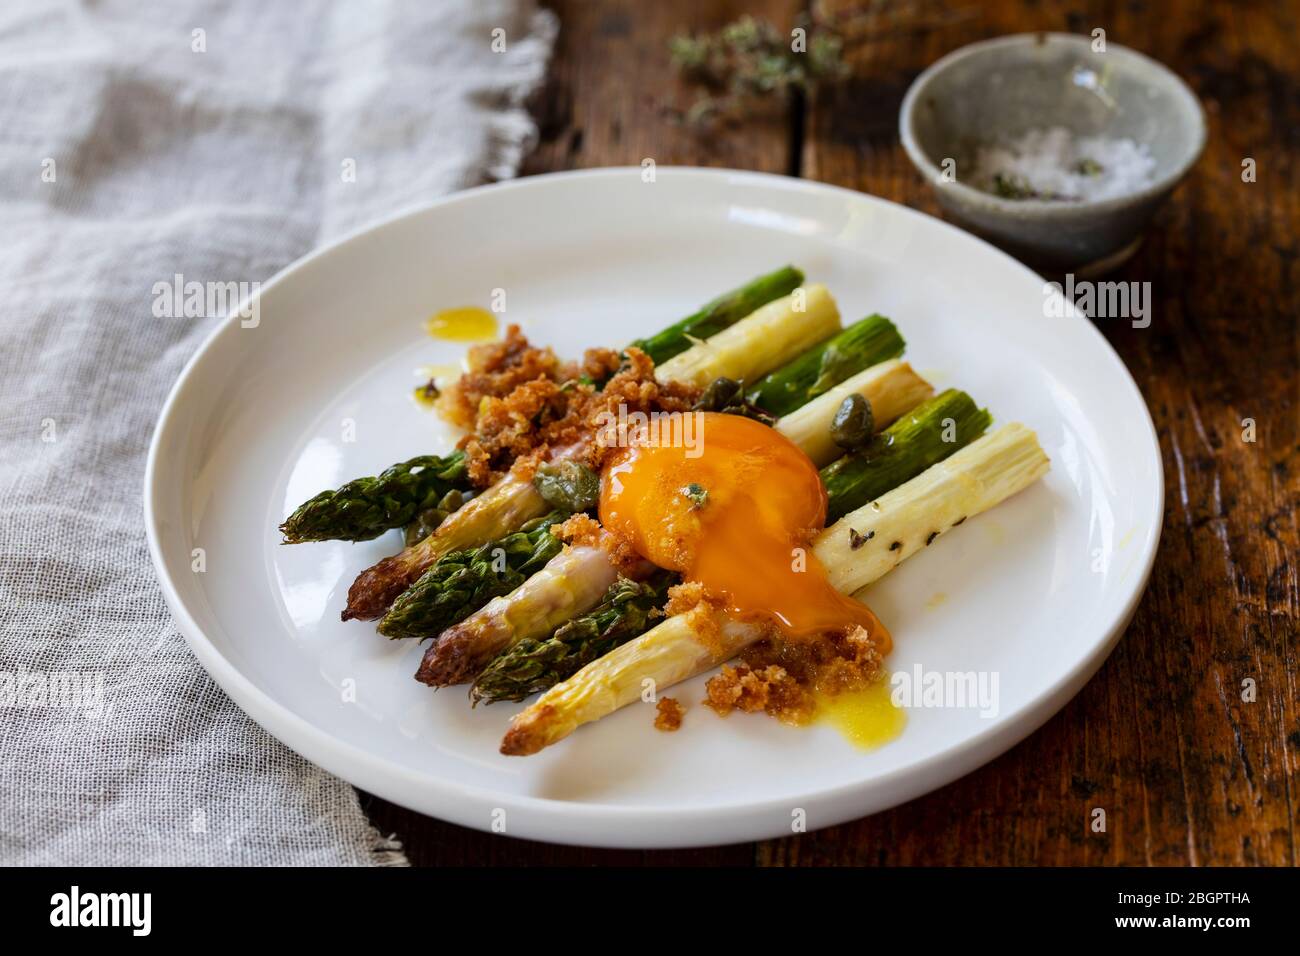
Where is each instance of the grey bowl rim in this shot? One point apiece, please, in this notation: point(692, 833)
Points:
point(1043, 208)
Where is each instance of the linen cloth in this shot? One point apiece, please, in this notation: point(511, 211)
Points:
point(218, 141)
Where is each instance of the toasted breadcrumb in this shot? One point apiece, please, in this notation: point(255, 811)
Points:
point(668, 714)
point(770, 689)
point(685, 597)
point(783, 677)
point(582, 529)
point(855, 664)
point(518, 400)
point(691, 597)
point(495, 370)
point(525, 467)
point(508, 428)
point(600, 364)
point(829, 663)
point(632, 389)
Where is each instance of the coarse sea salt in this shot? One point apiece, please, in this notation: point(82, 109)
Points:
point(1054, 164)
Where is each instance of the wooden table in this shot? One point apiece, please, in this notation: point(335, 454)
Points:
point(1187, 771)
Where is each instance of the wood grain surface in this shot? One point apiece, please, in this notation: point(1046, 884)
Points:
point(1188, 771)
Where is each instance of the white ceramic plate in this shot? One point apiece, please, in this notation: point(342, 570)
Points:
point(1037, 591)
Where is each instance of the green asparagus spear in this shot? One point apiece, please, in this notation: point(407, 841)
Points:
point(461, 582)
point(928, 434)
point(822, 367)
point(367, 507)
point(724, 311)
point(531, 665)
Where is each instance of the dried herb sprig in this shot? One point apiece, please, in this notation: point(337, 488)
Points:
point(751, 59)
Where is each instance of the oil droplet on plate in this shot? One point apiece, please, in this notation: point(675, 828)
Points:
point(465, 324)
point(867, 718)
point(433, 379)
point(426, 395)
point(937, 599)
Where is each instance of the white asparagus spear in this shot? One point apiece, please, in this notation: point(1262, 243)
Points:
point(987, 471)
point(496, 512)
point(973, 480)
point(570, 584)
point(891, 387)
point(765, 339)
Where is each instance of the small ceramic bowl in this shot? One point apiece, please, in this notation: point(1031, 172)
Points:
point(997, 90)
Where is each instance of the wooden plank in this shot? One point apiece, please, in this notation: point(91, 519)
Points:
point(613, 98)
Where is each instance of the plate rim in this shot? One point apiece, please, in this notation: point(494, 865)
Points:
point(562, 821)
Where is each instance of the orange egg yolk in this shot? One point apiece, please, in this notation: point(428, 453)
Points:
point(732, 504)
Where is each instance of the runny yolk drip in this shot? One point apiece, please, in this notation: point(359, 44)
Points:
point(466, 324)
point(733, 504)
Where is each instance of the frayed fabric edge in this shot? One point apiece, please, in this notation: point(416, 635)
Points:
point(513, 131)
point(388, 851)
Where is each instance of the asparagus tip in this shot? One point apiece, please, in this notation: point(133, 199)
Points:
point(447, 662)
point(522, 738)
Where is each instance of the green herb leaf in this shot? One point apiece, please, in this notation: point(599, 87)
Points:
point(698, 495)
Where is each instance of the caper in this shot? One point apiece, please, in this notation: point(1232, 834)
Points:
point(721, 393)
point(452, 500)
point(568, 484)
point(425, 524)
point(853, 424)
